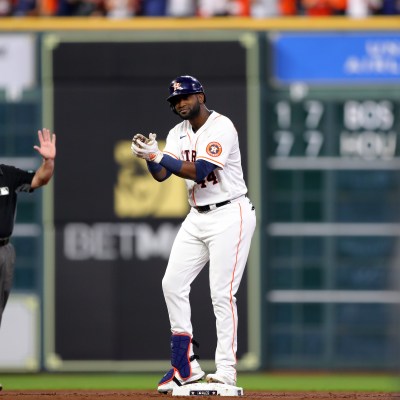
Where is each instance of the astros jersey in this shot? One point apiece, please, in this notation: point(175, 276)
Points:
point(216, 142)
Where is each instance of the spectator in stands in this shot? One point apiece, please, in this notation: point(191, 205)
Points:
point(5, 8)
point(242, 8)
point(264, 8)
point(323, 7)
point(357, 8)
point(81, 8)
point(390, 7)
point(181, 8)
point(154, 8)
point(25, 8)
point(219, 8)
point(213, 8)
point(162, 8)
point(21, 8)
point(48, 7)
point(384, 7)
point(338, 6)
point(287, 7)
point(121, 8)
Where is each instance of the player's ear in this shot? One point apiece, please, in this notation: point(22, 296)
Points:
point(201, 98)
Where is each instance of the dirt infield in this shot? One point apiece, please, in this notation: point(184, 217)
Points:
point(142, 395)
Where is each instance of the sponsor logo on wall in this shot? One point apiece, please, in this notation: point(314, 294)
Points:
point(136, 195)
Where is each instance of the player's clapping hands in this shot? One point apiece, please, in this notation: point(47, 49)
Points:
point(146, 148)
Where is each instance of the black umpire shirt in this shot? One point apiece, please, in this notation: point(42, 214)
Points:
point(12, 181)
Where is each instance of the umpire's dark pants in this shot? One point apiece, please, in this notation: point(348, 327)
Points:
point(7, 261)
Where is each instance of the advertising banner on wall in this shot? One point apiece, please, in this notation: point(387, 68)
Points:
point(337, 57)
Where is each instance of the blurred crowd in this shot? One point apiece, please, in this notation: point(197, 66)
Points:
point(198, 8)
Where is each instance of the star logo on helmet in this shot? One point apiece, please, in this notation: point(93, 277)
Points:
point(214, 149)
point(177, 86)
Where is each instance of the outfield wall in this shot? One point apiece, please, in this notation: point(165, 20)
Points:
point(317, 108)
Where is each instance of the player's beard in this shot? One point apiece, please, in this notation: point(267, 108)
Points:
point(193, 112)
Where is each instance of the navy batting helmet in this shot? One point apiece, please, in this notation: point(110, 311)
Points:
point(184, 84)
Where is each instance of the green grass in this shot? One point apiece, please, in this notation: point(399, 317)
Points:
point(250, 382)
point(320, 382)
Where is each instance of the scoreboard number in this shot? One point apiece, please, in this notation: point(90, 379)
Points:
point(285, 138)
point(363, 129)
point(314, 111)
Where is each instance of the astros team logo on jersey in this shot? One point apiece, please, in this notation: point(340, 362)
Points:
point(214, 149)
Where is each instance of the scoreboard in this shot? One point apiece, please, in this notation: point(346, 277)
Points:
point(355, 128)
point(331, 190)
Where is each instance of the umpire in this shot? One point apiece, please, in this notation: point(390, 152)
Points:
point(12, 181)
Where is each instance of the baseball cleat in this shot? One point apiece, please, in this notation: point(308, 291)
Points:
point(218, 378)
point(172, 379)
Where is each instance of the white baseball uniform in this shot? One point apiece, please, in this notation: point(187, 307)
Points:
point(221, 236)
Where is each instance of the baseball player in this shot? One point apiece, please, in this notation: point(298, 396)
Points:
point(204, 150)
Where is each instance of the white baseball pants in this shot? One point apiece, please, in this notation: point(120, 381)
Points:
point(222, 237)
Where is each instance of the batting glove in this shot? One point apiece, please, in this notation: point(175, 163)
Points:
point(135, 142)
point(147, 149)
point(140, 138)
point(151, 150)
